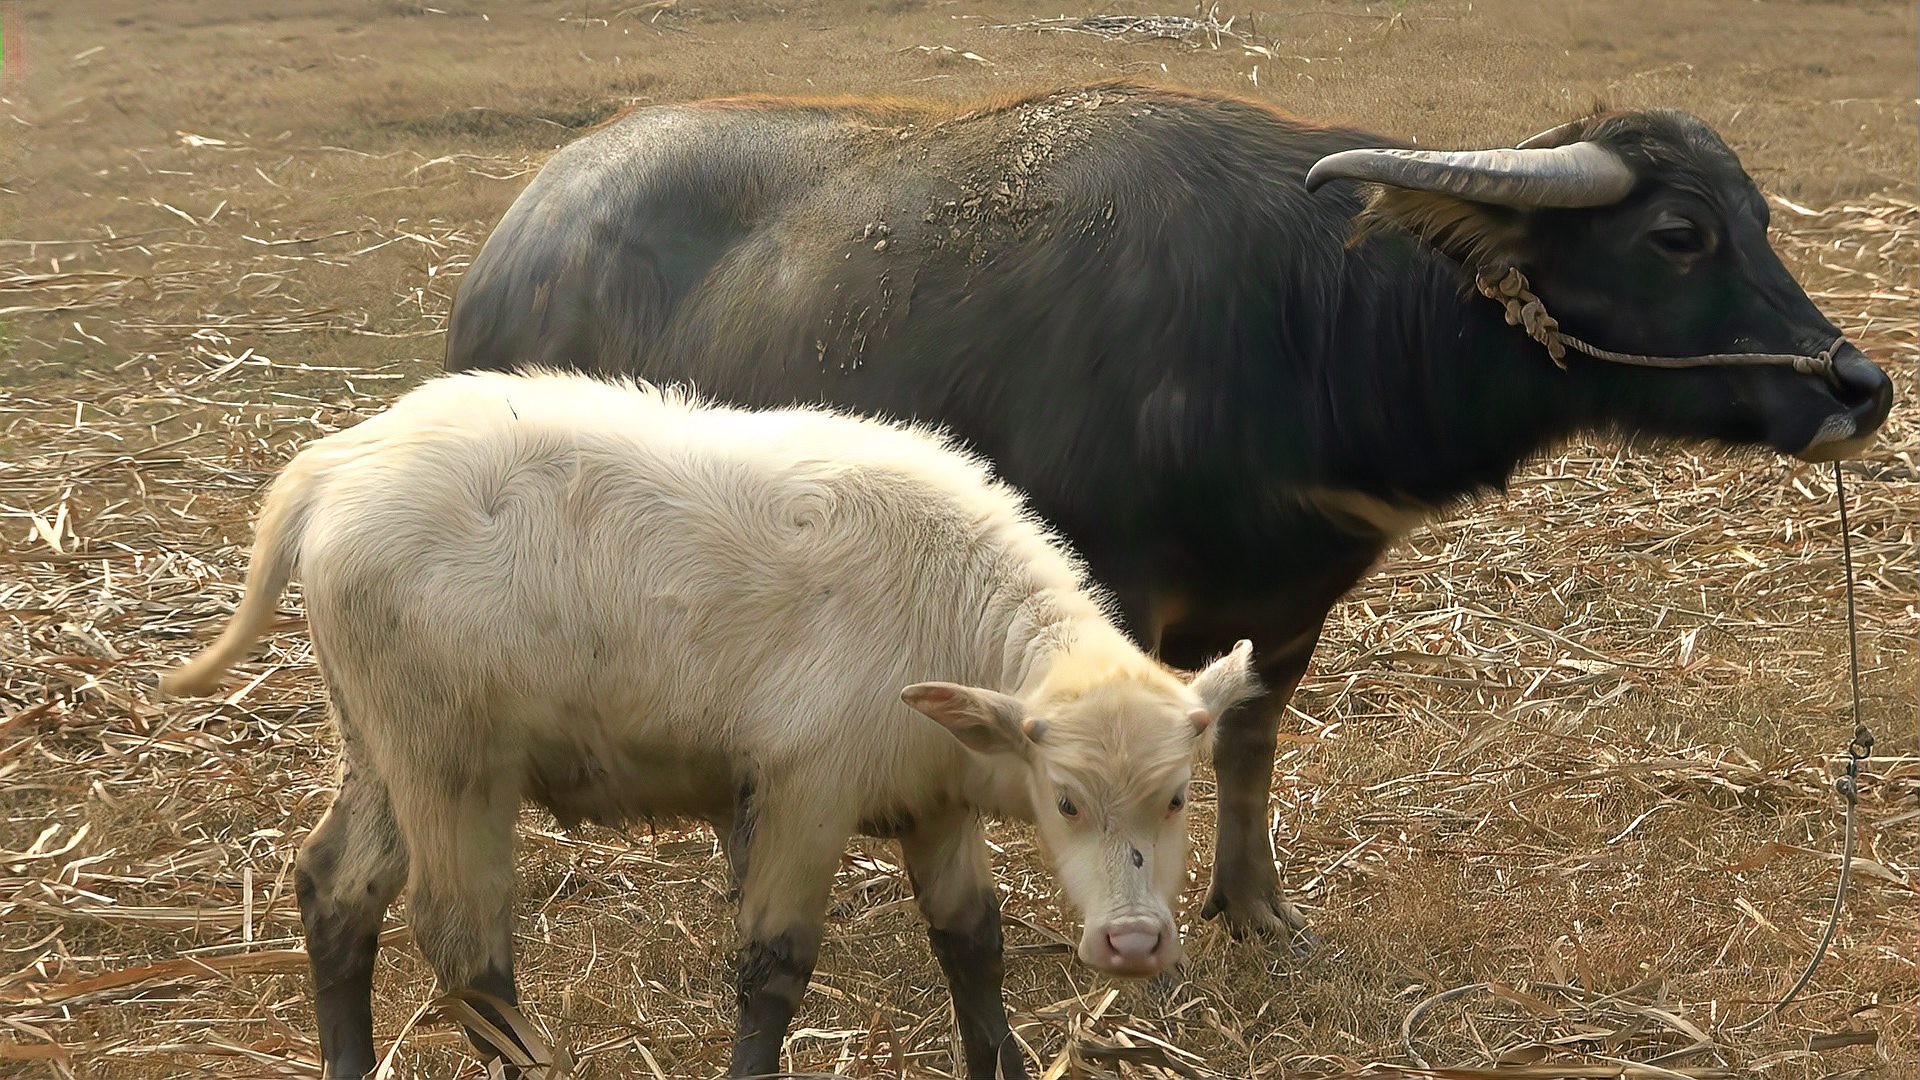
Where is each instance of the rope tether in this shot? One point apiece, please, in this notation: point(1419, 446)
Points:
point(1847, 787)
point(1525, 309)
point(1508, 287)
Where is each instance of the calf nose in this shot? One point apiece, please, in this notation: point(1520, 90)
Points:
point(1133, 946)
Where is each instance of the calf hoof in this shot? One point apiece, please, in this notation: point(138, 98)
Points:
point(1264, 916)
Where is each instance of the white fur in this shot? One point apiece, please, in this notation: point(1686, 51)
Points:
point(622, 602)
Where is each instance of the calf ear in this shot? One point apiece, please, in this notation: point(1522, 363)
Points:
point(986, 721)
point(1225, 683)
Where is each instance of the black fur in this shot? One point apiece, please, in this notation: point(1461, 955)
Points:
point(772, 976)
point(739, 835)
point(349, 869)
point(971, 957)
point(341, 946)
point(1128, 300)
point(498, 981)
point(1153, 328)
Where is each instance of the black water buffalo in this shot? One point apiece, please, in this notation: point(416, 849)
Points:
point(1140, 306)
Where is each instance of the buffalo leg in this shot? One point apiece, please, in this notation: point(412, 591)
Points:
point(351, 867)
point(1246, 889)
point(789, 853)
point(947, 863)
point(460, 899)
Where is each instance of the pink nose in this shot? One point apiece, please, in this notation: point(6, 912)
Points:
point(1133, 946)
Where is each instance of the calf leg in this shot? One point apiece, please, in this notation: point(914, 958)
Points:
point(791, 849)
point(350, 868)
point(1246, 888)
point(947, 862)
point(735, 832)
point(460, 896)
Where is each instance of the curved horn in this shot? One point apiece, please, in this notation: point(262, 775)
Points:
point(1583, 174)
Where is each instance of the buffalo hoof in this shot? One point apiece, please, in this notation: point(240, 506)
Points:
point(1263, 915)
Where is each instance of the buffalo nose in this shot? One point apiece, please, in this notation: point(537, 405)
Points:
point(1863, 386)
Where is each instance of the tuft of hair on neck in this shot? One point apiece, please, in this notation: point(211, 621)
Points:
point(1476, 235)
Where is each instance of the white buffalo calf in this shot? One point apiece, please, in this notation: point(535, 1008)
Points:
point(622, 603)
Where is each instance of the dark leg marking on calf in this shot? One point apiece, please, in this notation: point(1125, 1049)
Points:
point(739, 837)
point(497, 980)
point(340, 954)
point(348, 870)
point(972, 957)
point(891, 825)
point(772, 978)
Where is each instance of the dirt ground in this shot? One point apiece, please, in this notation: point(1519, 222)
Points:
point(1571, 751)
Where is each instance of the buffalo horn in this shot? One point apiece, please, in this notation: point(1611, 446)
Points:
point(1553, 136)
point(1582, 174)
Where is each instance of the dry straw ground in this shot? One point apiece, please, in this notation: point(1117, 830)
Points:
point(1575, 745)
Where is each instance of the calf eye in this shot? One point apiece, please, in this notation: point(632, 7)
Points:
point(1179, 800)
point(1067, 809)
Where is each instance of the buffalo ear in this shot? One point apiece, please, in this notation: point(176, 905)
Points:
point(1477, 235)
point(985, 721)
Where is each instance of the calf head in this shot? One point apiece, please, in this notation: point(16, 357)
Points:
point(1642, 234)
point(1105, 752)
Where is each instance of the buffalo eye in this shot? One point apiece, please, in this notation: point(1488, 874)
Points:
point(1680, 241)
point(1067, 809)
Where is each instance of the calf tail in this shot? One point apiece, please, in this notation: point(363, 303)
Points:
point(276, 550)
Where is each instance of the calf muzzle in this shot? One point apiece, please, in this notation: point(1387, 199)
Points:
point(1135, 947)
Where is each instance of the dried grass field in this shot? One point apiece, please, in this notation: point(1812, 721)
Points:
point(1570, 753)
